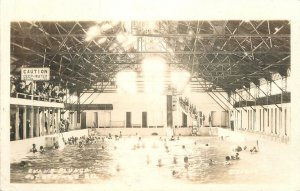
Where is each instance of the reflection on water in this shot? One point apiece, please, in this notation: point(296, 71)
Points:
point(130, 161)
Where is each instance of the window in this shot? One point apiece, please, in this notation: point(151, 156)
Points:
point(275, 120)
point(248, 121)
point(128, 119)
point(95, 122)
point(251, 120)
point(241, 119)
point(77, 115)
point(272, 121)
point(144, 119)
point(263, 120)
point(260, 120)
point(184, 120)
point(254, 119)
point(268, 117)
point(280, 121)
point(285, 121)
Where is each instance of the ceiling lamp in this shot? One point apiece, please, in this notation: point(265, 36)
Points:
point(190, 32)
point(154, 74)
point(102, 40)
point(105, 27)
point(126, 82)
point(92, 33)
point(121, 37)
point(180, 79)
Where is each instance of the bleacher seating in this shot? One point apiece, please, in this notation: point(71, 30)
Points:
point(41, 91)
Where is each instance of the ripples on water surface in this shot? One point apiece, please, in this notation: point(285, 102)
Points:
point(119, 161)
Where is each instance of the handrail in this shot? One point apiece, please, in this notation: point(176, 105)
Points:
point(37, 97)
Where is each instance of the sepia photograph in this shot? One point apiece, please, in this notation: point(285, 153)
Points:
point(117, 103)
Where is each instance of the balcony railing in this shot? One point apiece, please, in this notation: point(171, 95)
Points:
point(38, 98)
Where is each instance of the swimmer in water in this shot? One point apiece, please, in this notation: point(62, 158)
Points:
point(159, 163)
point(55, 146)
point(237, 156)
point(33, 149)
point(25, 164)
point(227, 160)
point(186, 159)
point(167, 149)
point(253, 150)
point(174, 173)
point(42, 150)
point(172, 138)
point(80, 144)
point(174, 160)
point(118, 168)
point(238, 149)
point(183, 146)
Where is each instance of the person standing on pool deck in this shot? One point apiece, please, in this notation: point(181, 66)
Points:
point(68, 124)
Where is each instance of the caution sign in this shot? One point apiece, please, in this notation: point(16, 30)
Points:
point(36, 74)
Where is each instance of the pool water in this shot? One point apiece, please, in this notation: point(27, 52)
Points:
point(131, 161)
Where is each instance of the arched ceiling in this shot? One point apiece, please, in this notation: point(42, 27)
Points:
point(220, 55)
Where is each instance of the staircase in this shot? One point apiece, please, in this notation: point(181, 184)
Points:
point(190, 111)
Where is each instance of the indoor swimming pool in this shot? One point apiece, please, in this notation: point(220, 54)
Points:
point(134, 160)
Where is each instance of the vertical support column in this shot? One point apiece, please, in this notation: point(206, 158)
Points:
point(48, 121)
point(37, 122)
point(56, 120)
point(78, 117)
point(52, 121)
point(17, 123)
point(73, 124)
point(43, 120)
point(31, 122)
point(24, 121)
point(268, 90)
point(169, 111)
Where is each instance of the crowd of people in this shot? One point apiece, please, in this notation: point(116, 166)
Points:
point(64, 125)
point(237, 150)
point(188, 106)
point(43, 90)
point(83, 140)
